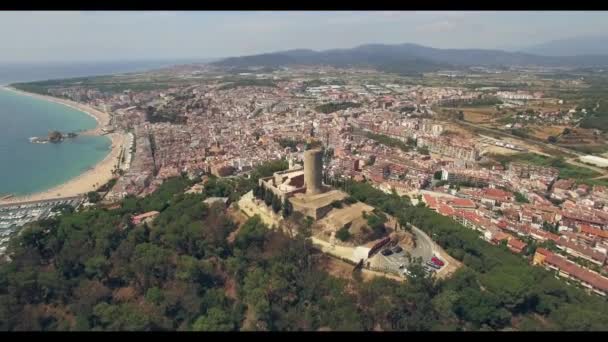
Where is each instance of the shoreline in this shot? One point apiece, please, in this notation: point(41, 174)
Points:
point(89, 180)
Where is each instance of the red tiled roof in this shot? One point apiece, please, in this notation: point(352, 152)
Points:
point(593, 254)
point(578, 272)
point(496, 193)
point(594, 231)
point(543, 251)
point(544, 234)
point(517, 244)
point(582, 217)
point(445, 210)
point(430, 201)
point(462, 202)
point(469, 216)
point(499, 236)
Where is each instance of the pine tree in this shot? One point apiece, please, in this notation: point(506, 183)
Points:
point(287, 208)
point(276, 204)
point(268, 195)
point(257, 192)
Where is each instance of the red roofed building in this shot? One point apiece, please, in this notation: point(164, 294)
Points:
point(445, 210)
point(495, 196)
point(542, 235)
point(588, 230)
point(498, 236)
point(516, 245)
point(569, 270)
point(471, 220)
point(581, 251)
point(430, 201)
point(461, 203)
point(502, 225)
point(573, 219)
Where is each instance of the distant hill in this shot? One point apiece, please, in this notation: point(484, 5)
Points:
point(405, 58)
point(576, 46)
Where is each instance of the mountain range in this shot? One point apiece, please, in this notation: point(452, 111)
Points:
point(407, 58)
point(585, 45)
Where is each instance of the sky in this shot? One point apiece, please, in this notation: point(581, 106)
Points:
point(113, 35)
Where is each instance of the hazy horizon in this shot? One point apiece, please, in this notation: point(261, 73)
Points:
point(38, 36)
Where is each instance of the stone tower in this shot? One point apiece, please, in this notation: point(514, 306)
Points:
point(313, 171)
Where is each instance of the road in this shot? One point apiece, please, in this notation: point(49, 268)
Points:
point(425, 249)
point(337, 251)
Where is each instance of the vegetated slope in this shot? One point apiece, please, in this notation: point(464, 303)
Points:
point(93, 270)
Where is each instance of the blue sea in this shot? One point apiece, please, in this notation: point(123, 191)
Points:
point(27, 168)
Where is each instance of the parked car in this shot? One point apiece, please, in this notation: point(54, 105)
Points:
point(433, 265)
point(437, 261)
point(397, 249)
point(387, 252)
point(429, 269)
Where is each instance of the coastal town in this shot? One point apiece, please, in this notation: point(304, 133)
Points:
point(543, 201)
point(327, 171)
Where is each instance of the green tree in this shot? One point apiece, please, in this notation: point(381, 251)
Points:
point(97, 267)
point(93, 196)
point(268, 197)
point(215, 319)
point(152, 264)
point(437, 175)
point(276, 204)
point(343, 234)
point(519, 197)
point(287, 208)
point(155, 295)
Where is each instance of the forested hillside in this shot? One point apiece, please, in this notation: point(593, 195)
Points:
point(94, 270)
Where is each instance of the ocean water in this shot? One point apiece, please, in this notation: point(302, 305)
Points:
point(27, 168)
point(28, 72)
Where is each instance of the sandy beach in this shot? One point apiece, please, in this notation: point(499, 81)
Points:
point(91, 179)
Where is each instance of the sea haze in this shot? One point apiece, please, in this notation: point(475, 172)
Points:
point(27, 72)
point(27, 168)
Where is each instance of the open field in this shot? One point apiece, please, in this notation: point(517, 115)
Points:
point(544, 132)
point(567, 168)
point(479, 114)
point(531, 144)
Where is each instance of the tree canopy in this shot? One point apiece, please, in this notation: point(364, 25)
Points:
point(91, 270)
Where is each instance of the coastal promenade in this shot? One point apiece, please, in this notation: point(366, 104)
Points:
point(91, 179)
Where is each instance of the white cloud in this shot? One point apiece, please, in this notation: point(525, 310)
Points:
point(436, 27)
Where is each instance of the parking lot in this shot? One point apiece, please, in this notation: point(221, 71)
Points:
point(397, 262)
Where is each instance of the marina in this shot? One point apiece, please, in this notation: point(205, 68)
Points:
point(15, 215)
